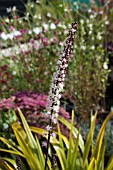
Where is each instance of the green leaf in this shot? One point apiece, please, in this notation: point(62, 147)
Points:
point(89, 142)
point(75, 132)
point(98, 145)
point(4, 165)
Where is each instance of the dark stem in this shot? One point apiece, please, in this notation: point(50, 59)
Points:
point(48, 143)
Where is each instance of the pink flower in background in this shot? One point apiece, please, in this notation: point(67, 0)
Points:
point(44, 39)
point(45, 42)
point(11, 28)
point(22, 31)
point(55, 40)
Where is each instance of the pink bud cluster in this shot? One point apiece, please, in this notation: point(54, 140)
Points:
point(53, 102)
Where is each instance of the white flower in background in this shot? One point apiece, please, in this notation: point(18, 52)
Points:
point(92, 47)
point(105, 66)
point(4, 36)
point(14, 73)
point(89, 10)
point(59, 24)
point(48, 14)
point(60, 5)
point(14, 8)
point(10, 36)
point(7, 20)
point(107, 23)
point(32, 5)
point(20, 21)
point(92, 16)
point(90, 26)
point(27, 14)
point(65, 10)
point(39, 16)
point(81, 21)
point(90, 32)
point(17, 52)
point(87, 20)
point(52, 26)
point(29, 32)
point(16, 33)
point(8, 10)
point(37, 1)
point(99, 36)
point(35, 16)
point(37, 30)
point(64, 26)
point(83, 47)
point(45, 26)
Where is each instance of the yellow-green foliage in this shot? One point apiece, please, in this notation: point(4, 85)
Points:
point(72, 153)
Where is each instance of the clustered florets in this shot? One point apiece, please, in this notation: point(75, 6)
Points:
point(53, 102)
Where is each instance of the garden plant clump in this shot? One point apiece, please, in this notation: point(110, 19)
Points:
point(33, 106)
point(32, 41)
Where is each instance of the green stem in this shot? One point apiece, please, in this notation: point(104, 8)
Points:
point(48, 143)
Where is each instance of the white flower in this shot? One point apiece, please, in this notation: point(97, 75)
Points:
point(90, 26)
point(16, 33)
point(89, 10)
point(56, 108)
point(20, 21)
point(81, 21)
point(99, 36)
point(107, 22)
point(61, 85)
point(53, 135)
point(65, 10)
point(90, 32)
point(87, 20)
point(52, 26)
point(27, 14)
point(8, 10)
point(92, 47)
point(91, 16)
point(54, 120)
point(29, 32)
point(83, 47)
point(37, 1)
point(60, 5)
point(35, 16)
point(48, 128)
point(45, 26)
point(75, 3)
point(44, 144)
point(32, 5)
point(105, 66)
point(4, 36)
point(14, 73)
point(7, 20)
point(10, 36)
point(44, 134)
point(48, 14)
point(14, 8)
point(39, 16)
point(37, 30)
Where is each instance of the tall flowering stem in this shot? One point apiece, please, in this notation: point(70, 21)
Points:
point(53, 101)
